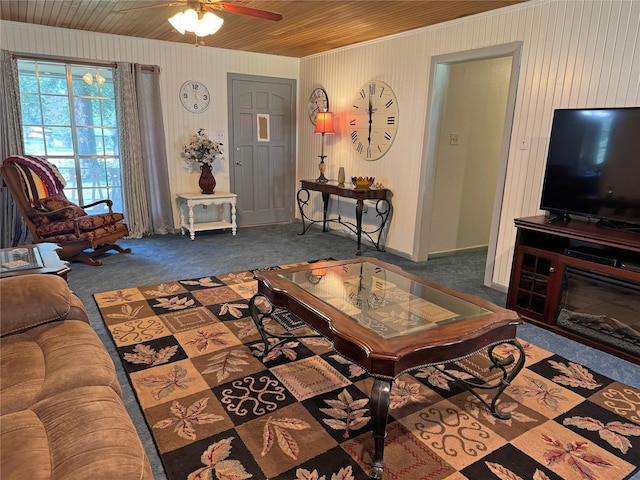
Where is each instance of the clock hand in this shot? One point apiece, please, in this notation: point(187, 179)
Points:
point(370, 120)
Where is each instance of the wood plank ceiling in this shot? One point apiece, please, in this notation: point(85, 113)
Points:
point(308, 26)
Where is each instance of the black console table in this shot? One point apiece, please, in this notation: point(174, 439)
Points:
point(380, 195)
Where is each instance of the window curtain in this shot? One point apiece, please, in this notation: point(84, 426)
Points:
point(13, 230)
point(145, 178)
point(154, 152)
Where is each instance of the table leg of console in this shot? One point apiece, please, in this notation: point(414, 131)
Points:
point(379, 406)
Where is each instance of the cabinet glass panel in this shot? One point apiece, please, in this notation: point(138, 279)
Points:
point(533, 283)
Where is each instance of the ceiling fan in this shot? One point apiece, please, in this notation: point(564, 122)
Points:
point(200, 17)
point(212, 5)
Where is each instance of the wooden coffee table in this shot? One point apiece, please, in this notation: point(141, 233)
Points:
point(32, 259)
point(389, 322)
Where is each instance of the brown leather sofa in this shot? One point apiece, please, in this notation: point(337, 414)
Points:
point(62, 415)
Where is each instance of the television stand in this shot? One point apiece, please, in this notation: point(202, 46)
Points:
point(623, 226)
point(580, 281)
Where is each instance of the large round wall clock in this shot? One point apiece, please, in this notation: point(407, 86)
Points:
point(373, 120)
point(194, 96)
point(318, 102)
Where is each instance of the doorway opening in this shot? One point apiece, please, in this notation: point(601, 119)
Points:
point(467, 137)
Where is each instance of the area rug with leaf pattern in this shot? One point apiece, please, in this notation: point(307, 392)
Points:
point(216, 411)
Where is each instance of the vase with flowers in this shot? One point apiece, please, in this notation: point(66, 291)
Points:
point(204, 151)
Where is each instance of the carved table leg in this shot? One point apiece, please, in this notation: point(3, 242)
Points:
point(380, 393)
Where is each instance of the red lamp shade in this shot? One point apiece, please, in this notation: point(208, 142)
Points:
point(324, 123)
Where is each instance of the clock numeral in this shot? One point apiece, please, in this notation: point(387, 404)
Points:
point(363, 94)
point(195, 86)
point(368, 152)
point(381, 92)
point(195, 106)
point(387, 136)
point(379, 149)
point(391, 120)
point(205, 97)
point(388, 104)
point(185, 95)
point(354, 136)
point(372, 89)
point(360, 147)
point(352, 122)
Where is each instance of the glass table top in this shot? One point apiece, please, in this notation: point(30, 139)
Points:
point(383, 301)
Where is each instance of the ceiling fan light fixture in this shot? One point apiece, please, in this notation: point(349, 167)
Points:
point(208, 25)
point(177, 22)
point(190, 20)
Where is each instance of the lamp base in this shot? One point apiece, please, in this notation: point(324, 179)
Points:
point(322, 167)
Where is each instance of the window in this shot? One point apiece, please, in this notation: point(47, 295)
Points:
point(69, 117)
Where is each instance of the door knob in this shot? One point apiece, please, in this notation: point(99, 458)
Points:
point(238, 163)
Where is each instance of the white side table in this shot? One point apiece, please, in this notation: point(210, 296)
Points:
point(217, 198)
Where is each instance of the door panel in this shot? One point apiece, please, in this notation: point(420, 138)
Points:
point(263, 172)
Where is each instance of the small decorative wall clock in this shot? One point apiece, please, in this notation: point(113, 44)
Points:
point(373, 120)
point(194, 96)
point(318, 102)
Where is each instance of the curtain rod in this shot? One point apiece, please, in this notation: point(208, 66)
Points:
point(93, 63)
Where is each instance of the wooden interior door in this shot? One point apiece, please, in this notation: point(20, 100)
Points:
point(262, 148)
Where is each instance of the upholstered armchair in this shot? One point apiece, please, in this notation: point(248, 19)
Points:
point(37, 186)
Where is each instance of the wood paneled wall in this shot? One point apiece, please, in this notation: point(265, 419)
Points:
point(574, 54)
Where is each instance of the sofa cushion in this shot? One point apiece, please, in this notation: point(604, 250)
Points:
point(50, 359)
point(30, 300)
point(82, 433)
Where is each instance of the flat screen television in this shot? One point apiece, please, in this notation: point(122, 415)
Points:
point(593, 166)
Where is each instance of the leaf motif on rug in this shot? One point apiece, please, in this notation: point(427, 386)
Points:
point(206, 282)
point(354, 370)
point(202, 339)
point(574, 375)
point(148, 356)
point(504, 473)
point(117, 296)
point(246, 328)
point(214, 459)
point(576, 455)
point(226, 363)
point(175, 303)
point(403, 393)
point(437, 378)
point(162, 289)
point(287, 350)
point(234, 309)
point(184, 419)
point(276, 430)
point(540, 391)
point(614, 433)
point(345, 473)
point(164, 385)
point(128, 312)
point(346, 414)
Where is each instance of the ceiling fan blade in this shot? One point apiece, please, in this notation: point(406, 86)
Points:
point(242, 10)
point(167, 4)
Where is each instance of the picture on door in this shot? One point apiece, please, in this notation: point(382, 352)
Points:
point(264, 133)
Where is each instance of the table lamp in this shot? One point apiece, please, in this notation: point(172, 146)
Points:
point(324, 125)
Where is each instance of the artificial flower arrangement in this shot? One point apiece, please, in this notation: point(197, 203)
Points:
point(201, 149)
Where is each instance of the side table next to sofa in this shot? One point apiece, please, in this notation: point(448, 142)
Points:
point(31, 259)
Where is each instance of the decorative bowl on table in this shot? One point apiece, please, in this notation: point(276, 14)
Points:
point(362, 183)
